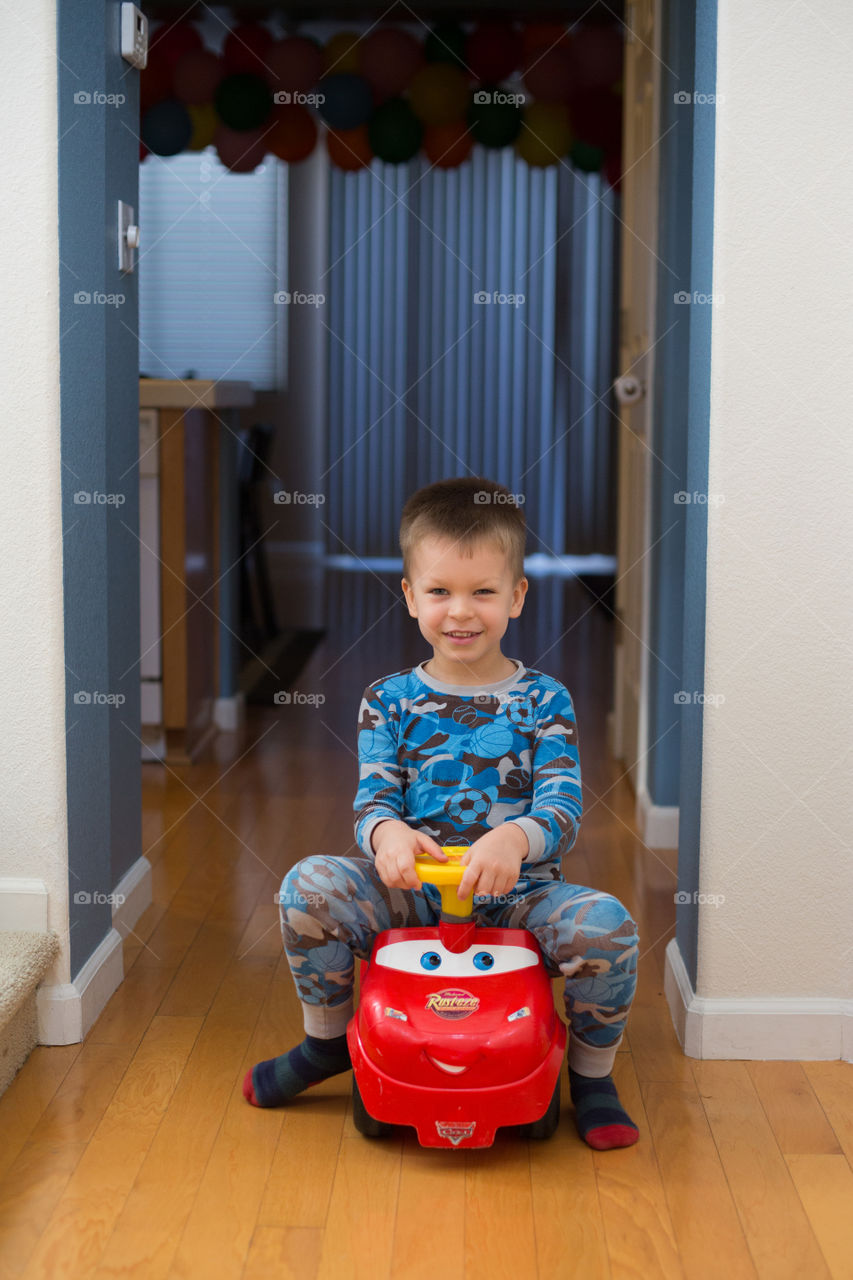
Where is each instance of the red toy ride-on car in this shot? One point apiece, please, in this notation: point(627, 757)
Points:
point(456, 1033)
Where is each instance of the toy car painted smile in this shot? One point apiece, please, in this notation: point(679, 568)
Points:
point(456, 1033)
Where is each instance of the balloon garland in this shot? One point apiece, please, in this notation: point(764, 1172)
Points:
point(552, 95)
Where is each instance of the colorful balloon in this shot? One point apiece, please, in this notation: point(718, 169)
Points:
point(493, 121)
point(388, 59)
point(586, 157)
point(540, 36)
point(196, 76)
point(596, 55)
point(347, 100)
point(243, 101)
point(548, 74)
point(349, 149)
point(395, 132)
point(294, 64)
point(447, 145)
point(545, 134)
point(166, 127)
point(205, 122)
point(172, 40)
point(155, 82)
point(439, 93)
point(446, 43)
point(246, 48)
point(293, 135)
point(341, 53)
point(241, 150)
point(492, 52)
point(596, 116)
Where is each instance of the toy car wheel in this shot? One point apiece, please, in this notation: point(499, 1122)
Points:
point(544, 1127)
point(364, 1121)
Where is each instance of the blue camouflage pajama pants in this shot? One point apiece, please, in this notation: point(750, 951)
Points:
point(332, 908)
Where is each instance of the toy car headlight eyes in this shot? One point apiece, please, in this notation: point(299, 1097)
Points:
point(484, 960)
point(430, 960)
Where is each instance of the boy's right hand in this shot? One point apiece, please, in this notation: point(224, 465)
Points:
point(395, 845)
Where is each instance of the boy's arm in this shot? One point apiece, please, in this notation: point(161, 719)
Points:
point(380, 778)
point(553, 820)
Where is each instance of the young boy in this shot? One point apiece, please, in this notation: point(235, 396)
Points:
point(468, 748)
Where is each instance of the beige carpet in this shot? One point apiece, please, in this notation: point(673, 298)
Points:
point(24, 960)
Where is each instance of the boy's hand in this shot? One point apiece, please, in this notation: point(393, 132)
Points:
point(395, 845)
point(493, 862)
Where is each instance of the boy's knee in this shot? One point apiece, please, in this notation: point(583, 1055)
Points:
point(308, 883)
point(607, 915)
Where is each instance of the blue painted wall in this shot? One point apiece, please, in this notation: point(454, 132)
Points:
point(98, 164)
point(696, 528)
point(669, 408)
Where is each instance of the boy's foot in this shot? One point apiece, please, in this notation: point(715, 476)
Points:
point(601, 1121)
point(275, 1080)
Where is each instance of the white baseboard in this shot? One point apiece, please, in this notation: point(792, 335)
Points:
point(23, 904)
point(229, 714)
point(777, 1028)
point(67, 1010)
point(133, 896)
point(657, 823)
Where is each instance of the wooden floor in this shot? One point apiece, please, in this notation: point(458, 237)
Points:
point(134, 1154)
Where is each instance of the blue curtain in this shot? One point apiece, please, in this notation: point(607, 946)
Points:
point(472, 330)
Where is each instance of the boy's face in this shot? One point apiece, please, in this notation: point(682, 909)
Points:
point(463, 604)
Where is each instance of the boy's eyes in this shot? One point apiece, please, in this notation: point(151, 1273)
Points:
point(487, 591)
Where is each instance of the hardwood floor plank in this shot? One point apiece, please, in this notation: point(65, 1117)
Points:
point(28, 1096)
point(500, 1238)
point(833, 1086)
point(429, 1178)
point(148, 1230)
point(825, 1186)
point(796, 1117)
point(710, 1238)
point(778, 1233)
point(74, 1238)
point(638, 1228)
point(286, 1253)
point(363, 1211)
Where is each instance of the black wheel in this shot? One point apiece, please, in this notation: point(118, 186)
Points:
point(363, 1120)
point(546, 1125)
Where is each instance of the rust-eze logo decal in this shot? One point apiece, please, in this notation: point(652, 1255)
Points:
point(452, 1003)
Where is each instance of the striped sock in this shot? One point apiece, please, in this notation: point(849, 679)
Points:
point(601, 1121)
point(275, 1080)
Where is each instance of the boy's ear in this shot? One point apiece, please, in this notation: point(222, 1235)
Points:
point(410, 597)
point(519, 592)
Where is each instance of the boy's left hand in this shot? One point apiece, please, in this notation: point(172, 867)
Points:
point(493, 862)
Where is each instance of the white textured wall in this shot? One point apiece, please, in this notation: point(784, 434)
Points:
point(777, 801)
point(32, 673)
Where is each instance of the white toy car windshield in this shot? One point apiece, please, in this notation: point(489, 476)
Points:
point(429, 956)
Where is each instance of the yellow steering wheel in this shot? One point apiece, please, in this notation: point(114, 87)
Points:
point(446, 876)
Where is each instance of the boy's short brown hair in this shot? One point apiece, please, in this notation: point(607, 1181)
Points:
point(465, 510)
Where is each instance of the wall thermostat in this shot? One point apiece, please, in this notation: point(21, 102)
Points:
point(134, 36)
